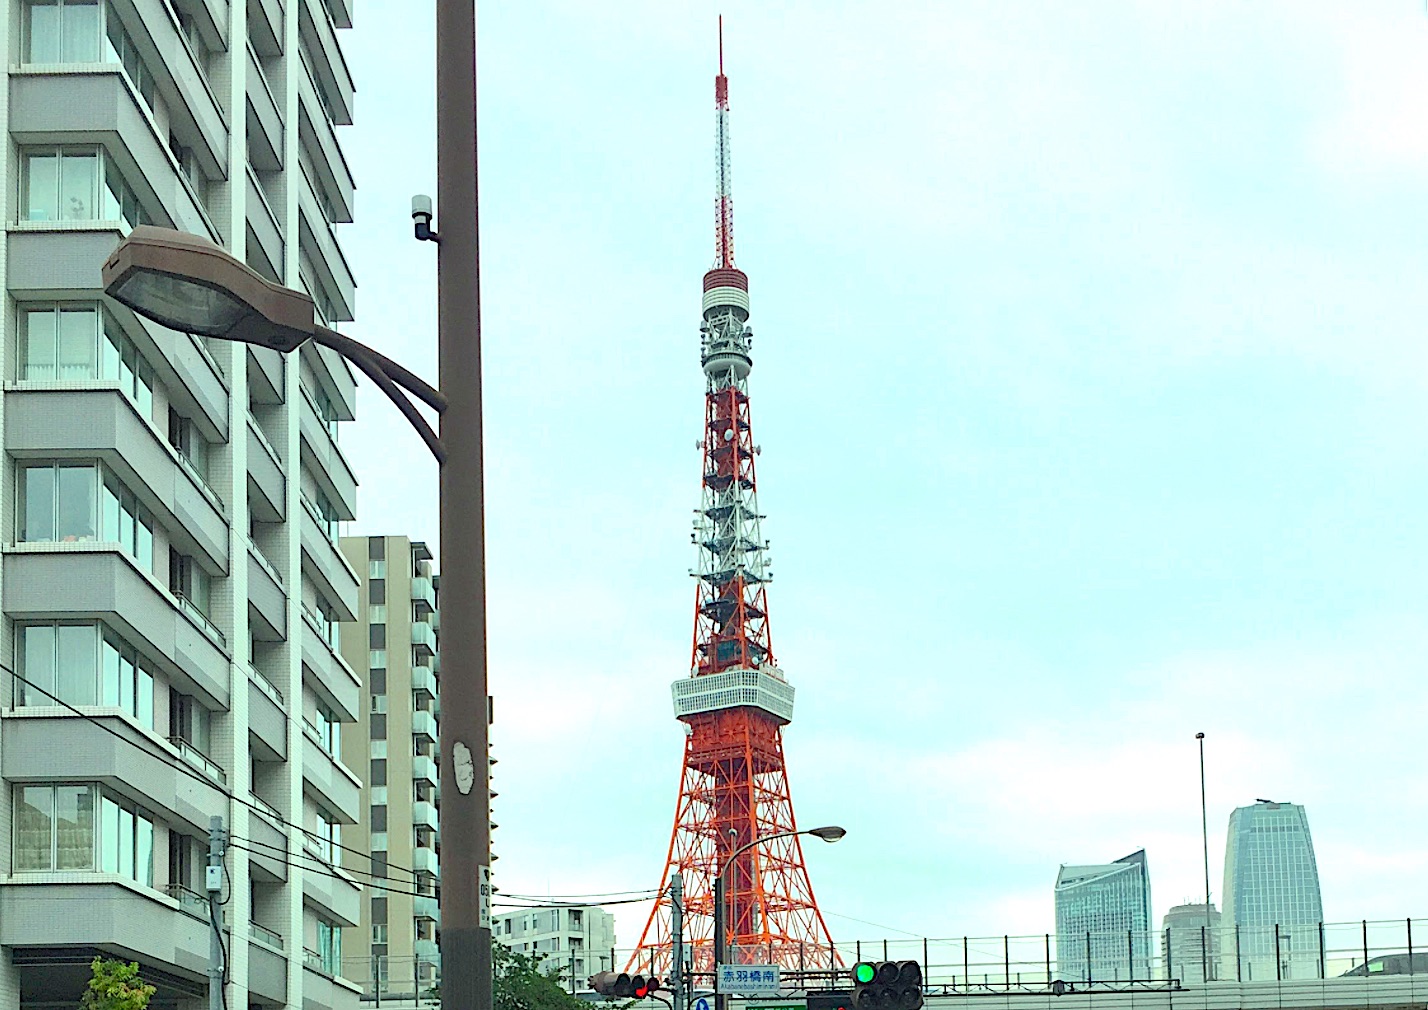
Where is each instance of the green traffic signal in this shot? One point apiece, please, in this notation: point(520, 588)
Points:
point(863, 972)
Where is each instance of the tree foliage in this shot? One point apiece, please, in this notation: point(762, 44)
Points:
point(521, 983)
point(114, 985)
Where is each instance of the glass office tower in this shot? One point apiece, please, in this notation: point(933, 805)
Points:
point(1103, 920)
point(1271, 895)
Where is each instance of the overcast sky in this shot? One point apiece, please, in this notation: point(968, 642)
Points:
point(1090, 380)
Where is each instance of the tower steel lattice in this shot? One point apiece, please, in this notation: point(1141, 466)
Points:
point(736, 701)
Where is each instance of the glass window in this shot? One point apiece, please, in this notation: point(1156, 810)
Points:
point(67, 184)
point(33, 818)
point(74, 828)
point(38, 347)
point(109, 835)
point(41, 186)
point(37, 665)
point(76, 346)
point(144, 852)
point(78, 180)
point(57, 503)
point(77, 663)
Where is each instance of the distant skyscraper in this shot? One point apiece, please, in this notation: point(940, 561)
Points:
point(1095, 907)
point(1271, 880)
point(1185, 935)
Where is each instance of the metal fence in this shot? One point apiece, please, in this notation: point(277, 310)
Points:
point(1184, 955)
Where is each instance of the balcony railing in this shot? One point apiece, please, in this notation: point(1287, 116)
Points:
point(266, 935)
point(267, 808)
point(312, 959)
point(201, 619)
point(267, 565)
point(265, 685)
point(190, 901)
point(199, 760)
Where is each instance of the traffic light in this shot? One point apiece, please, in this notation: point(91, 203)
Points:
point(623, 985)
point(887, 985)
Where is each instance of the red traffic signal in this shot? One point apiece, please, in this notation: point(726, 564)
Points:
point(623, 984)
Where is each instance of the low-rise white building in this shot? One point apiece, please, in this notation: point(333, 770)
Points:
point(580, 940)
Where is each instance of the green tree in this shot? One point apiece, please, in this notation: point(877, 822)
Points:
point(522, 983)
point(115, 985)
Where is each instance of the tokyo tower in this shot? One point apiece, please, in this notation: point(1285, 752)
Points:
point(736, 701)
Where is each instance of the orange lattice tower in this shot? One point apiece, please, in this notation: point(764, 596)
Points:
point(735, 702)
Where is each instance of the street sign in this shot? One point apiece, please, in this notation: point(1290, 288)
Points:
point(701, 1004)
point(747, 979)
point(783, 1004)
point(483, 896)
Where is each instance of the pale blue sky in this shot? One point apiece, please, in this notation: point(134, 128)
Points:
point(1090, 381)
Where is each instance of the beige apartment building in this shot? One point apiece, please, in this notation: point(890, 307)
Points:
point(394, 747)
point(171, 582)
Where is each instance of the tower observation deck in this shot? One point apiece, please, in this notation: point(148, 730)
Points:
point(735, 701)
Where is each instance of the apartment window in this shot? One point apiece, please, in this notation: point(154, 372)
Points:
point(329, 730)
point(379, 749)
point(377, 659)
point(379, 727)
point(190, 723)
point(377, 614)
point(321, 509)
point(379, 934)
point(62, 31)
point(329, 946)
point(376, 636)
point(378, 681)
point(379, 905)
point(377, 590)
point(379, 844)
point(126, 841)
point(379, 795)
point(78, 342)
point(329, 838)
point(377, 570)
point(77, 184)
point(192, 585)
point(379, 768)
point(379, 818)
point(54, 828)
point(379, 704)
point(322, 405)
point(60, 502)
point(425, 929)
point(63, 660)
point(189, 442)
point(121, 50)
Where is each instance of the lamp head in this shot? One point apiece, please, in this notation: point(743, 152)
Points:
point(187, 283)
point(830, 833)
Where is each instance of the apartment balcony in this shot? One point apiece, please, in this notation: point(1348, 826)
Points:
point(51, 745)
point(331, 890)
point(424, 680)
point(424, 907)
point(265, 27)
point(424, 815)
point(42, 920)
point(326, 566)
point(423, 640)
point(334, 374)
point(267, 718)
point(267, 484)
point(423, 595)
point(265, 232)
point(425, 860)
point(325, 459)
point(316, 133)
point(340, 790)
point(266, 383)
point(328, 673)
point(424, 769)
point(317, 237)
point(329, 67)
point(424, 724)
point(269, 846)
point(103, 423)
point(43, 583)
point(267, 601)
point(321, 991)
point(264, 119)
point(267, 967)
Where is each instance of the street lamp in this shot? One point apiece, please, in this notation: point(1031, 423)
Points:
point(187, 283)
point(829, 833)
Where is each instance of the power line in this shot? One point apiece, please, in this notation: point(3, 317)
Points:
point(330, 872)
point(195, 774)
point(650, 891)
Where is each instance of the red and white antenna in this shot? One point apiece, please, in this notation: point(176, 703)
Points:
point(724, 200)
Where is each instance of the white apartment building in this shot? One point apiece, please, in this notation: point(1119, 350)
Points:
point(579, 940)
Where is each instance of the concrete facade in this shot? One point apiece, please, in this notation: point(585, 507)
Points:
point(579, 941)
point(168, 509)
point(394, 744)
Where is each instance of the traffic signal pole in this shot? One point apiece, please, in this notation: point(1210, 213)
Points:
point(676, 899)
point(721, 1001)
